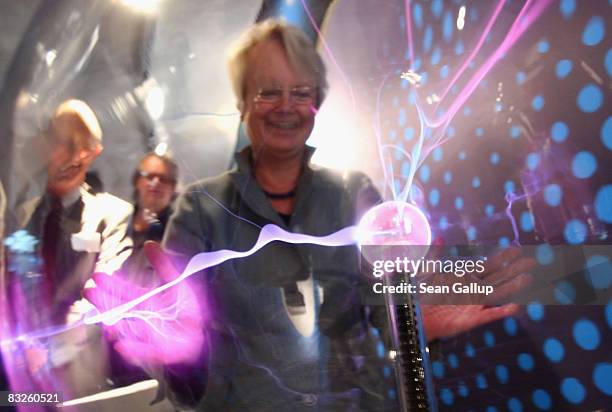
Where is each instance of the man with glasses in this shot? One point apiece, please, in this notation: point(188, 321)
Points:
point(78, 233)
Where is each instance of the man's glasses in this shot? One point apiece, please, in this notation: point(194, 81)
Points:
point(300, 95)
point(150, 177)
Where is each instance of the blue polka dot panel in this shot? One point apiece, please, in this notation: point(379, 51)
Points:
point(505, 109)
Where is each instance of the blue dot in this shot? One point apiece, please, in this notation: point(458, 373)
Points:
point(609, 314)
point(541, 399)
point(471, 233)
point(606, 133)
point(453, 361)
point(537, 103)
point(514, 405)
point(469, 350)
point(481, 381)
point(436, 8)
point(502, 373)
point(443, 223)
point(559, 132)
point(473, 14)
point(459, 48)
point(437, 154)
point(462, 155)
point(510, 326)
point(525, 361)
point(584, 164)
point(509, 186)
point(467, 111)
point(573, 390)
point(434, 197)
point(491, 409)
point(553, 349)
point(436, 55)
point(475, 182)
point(526, 221)
point(543, 46)
point(447, 27)
point(386, 371)
point(575, 232)
point(380, 350)
point(594, 31)
point(458, 203)
point(425, 173)
point(608, 62)
point(545, 254)
point(447, 396)
point(408, 133)
point(417, 14)
point(599, 272)
point(590, 98)
point(603, 204)
point(515, 132)
point(494, 158)
point(463, 390)
point(428, 38)
point(489, 338)
point(553, 194)
point(448, 177)
point(601, 377)
point(567, 8)
point(503, 242)
point(479, 131)
point(535, 311)
point(402, 117)
point(532, 160)
point(444, 71)
point(520, 77)
point(565, 293)
point(563, 68)
point(586, 334)
point(391, 394)
point(489, 210)
point(405, 169)
point(438, 369)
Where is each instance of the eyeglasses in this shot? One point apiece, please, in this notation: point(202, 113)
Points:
point(300, 95)
point(160, 178)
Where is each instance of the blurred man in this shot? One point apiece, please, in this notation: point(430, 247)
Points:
point(78, 233)
point(154, 183)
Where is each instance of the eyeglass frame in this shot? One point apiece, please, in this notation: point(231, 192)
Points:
point(161, 179)
point(310, 99)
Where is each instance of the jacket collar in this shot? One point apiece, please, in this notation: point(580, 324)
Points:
point(251, 194)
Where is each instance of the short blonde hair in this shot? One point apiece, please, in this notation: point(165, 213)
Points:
point(78, 113)
point(301, 53)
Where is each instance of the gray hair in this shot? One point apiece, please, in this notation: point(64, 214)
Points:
point(81, 116)
point(301, 53)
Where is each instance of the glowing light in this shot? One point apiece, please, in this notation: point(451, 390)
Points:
point(412, 77)
point(155, 102)
point(161, 149)
point(50, 57)
point(461, 18)
point(394, 223)
point(143, 6)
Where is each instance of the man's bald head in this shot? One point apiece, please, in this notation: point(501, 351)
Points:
point(75, 140)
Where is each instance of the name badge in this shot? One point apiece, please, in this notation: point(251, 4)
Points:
point(86, 242)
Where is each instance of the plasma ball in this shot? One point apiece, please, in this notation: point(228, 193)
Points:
point(394, 223)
